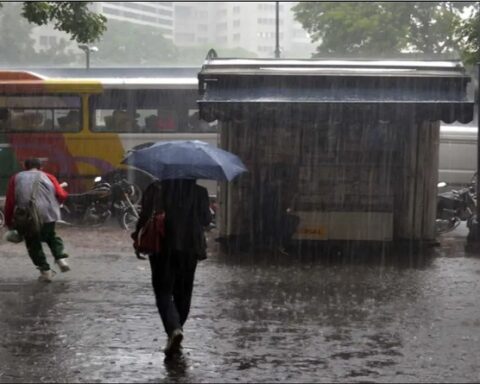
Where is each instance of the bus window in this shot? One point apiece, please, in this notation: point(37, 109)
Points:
point(28, 120)
point(66, 119)
point(115, 120)
point(156, 120)
point(40, 114)
point(113, 111)
point(147, 110)
point(195, 124)
point(4, 118)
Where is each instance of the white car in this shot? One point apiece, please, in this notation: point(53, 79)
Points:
point(458, 153)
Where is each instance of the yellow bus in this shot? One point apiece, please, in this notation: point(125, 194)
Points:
point(81, 123)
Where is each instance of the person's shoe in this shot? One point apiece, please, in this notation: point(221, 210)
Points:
point(63, 265)
point(46, 276)
point(174, 342)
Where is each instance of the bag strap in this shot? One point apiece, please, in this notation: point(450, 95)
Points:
point(36, 183)
point(158, 196)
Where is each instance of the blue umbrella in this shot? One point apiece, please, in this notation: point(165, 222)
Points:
point(186, 159)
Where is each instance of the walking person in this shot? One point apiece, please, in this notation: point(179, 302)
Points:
point(187, 213)
point(33, 183)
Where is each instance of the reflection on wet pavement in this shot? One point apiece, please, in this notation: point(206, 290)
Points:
point(289, 321)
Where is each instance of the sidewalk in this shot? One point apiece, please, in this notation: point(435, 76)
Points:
point(250, 321)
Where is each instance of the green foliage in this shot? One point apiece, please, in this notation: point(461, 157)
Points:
point(15, 42)
point(469, 35)
point(381, 29)
point(130, 44)
point(17, 46)
point(127, 44)
point(72, 17)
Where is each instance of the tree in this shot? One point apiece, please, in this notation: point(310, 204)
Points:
point(381, 28)
point(72, 17)
point(130, 44)
point(469, 36)
point(17, 46)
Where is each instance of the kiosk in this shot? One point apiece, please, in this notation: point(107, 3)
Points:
point(349, 147)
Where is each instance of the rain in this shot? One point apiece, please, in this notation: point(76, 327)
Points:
point(339, 159)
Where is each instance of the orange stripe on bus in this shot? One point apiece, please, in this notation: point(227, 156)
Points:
point(18, 75)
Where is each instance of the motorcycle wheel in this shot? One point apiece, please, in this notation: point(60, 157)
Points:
point(128, 220)
point(135, 194)
point(2, 219)
point(446, 225)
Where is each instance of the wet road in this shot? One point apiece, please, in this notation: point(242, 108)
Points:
point(289, 321)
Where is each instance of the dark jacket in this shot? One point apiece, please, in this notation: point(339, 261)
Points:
point(187, 213)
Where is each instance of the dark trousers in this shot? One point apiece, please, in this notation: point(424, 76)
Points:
point(173, 273)
point(34, 246)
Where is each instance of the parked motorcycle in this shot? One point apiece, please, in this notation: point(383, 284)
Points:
point(453, 207)
point(123, 207)
point(213, 211)
point(104, 200)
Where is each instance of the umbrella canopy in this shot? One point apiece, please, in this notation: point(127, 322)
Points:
point(186, 159)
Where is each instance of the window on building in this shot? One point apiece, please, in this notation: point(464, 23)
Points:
point(267, 7)
point(236, 23)
point(149, 18)
point(130, 14)
point(185, 36)
point(183, 11)
point(164, 12)
point(221, 27)
point(43, 41)
point(111, 11)
point(236, 9)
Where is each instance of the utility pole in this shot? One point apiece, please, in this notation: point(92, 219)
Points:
point(277, 30)
point(87, 49)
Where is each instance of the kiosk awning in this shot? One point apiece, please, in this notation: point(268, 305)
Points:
point(431, 90)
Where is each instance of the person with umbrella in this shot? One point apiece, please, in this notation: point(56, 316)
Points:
point(177, 165)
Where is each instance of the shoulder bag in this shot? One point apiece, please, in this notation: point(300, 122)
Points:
point(26, 220)
point(150, 237)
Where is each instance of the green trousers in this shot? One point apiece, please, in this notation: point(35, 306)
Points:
point(34, 246)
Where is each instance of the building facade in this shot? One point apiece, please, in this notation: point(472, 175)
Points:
point(154, 14)
point(247, 25)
